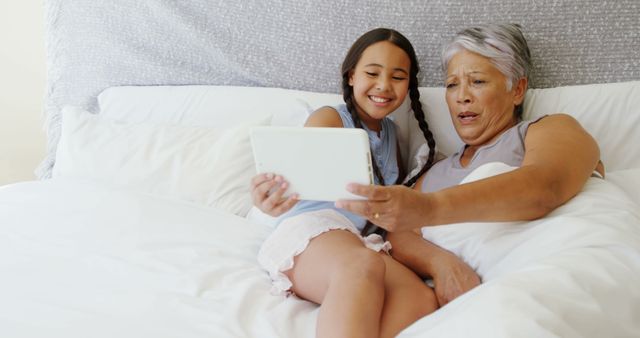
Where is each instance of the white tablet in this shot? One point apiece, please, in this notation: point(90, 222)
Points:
point(318, 163)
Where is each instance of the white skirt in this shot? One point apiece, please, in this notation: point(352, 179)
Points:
point(292, 235)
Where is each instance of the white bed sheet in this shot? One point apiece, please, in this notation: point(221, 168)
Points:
point(629, 181)
point(84, 260)
point(79, 259)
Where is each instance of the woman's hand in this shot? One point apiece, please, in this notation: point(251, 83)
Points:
point(394, 207)
point(451, 276)
point(267, 191)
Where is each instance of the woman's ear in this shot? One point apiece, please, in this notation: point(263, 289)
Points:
point(519, 91)
point(351, 78)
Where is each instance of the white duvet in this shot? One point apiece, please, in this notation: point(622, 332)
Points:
point(79, 259)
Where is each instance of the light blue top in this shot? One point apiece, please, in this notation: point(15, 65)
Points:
point(384, 149)
point(508, 149)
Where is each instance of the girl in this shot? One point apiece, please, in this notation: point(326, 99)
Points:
point(336, 258)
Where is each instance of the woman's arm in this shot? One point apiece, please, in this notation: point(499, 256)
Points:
point(559, 157)
point(451, 276)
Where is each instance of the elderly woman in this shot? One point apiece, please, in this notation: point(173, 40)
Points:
point(486, 69)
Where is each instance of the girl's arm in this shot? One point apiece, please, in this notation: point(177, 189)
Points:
point(324, 117)
point(267, 189)
point(559, 157)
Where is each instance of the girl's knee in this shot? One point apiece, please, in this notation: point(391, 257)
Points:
point(362, 264)
point(423, 303)
point(429, 301)
point(420, 301)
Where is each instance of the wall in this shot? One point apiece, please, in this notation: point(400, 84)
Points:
point(22, 81)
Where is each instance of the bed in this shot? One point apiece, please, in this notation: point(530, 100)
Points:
point(142, 225)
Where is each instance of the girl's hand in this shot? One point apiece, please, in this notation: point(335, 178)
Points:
point(394, 207)
point(267, 191)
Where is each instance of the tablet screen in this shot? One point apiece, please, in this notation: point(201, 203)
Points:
point(318, 163)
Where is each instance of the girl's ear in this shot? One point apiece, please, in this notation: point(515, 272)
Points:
point(351, 78)
point(519, 90)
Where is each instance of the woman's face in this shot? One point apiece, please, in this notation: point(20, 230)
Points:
point(481, 107)
point(380, 80)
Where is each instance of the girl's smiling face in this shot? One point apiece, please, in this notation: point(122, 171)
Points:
point(380, 82)
point(480, 104)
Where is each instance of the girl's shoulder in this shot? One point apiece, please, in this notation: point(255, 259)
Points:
point(325, 117)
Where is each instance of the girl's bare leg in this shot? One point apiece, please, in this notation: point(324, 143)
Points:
point(347, 279)
point(407, 298)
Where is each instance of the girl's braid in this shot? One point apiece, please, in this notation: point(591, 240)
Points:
point(418, 113)
point(347, 91)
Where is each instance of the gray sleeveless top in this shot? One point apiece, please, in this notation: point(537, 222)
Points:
point(508, 149)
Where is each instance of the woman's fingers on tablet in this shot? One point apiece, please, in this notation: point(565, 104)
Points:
point(376, 208)
point(376, 212)
point(362, 208)
point(371, 192)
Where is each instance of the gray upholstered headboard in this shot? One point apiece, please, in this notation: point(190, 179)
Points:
point(92, 45)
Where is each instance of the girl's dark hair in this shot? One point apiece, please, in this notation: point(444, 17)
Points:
point(349, 64)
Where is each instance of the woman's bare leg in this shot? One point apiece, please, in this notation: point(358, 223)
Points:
point(407, 298)
point(337, 271)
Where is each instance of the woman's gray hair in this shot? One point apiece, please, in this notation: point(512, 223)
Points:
point(503, 44)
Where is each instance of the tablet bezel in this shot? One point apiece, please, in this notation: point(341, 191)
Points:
point(317, 162)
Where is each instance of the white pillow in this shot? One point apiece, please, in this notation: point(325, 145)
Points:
point(628, 180)
point(193, 105)
point(211, 166)
point(439, 120)
point(610, 112)
point(209, 106)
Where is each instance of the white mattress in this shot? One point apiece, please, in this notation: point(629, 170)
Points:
point(79, 259)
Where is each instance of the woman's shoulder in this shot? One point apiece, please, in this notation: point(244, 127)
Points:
point(558, 121)
point(325, 117)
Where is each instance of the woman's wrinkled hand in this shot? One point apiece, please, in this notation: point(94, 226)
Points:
point(393, 207)
point(452, 277)
point(267, 191)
